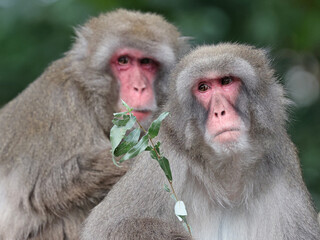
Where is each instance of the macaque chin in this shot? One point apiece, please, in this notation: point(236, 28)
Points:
point(135, 72)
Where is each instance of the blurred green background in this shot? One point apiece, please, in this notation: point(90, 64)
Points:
point(33, 33)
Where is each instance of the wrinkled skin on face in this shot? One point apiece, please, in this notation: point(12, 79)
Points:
point(135, 72)
point(218, 96)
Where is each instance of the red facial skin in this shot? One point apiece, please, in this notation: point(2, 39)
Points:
point(136, 73)
point(218, 95)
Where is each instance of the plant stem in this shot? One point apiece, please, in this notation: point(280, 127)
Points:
point(170, 182)
point(141, 126)
point(189, 229)
point(154, 148)
point(173, 192)
point(158, 155)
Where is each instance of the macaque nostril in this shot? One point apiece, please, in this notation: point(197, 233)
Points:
point(221, 114)
point(139, 89)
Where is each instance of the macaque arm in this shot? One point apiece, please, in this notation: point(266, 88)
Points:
point(84, 175)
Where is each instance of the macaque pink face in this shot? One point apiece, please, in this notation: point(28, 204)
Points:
point(136, 73)
point(218, 95)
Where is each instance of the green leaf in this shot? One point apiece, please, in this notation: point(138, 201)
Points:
point(155, 125)
point(131, 122)
point(154, 155)
point(166, 188)
point(116, 135)
point(128, 142)
point(137, 149)
point(118, 132)
point(119, 114)
point(126, 106)
point(114, 160)
point(183, 217)
point(149, 148)
point(164, 164)
point(157, 147)
point(121, 122)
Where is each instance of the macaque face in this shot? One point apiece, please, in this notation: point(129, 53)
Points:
point(136, 73)
point(218, 95)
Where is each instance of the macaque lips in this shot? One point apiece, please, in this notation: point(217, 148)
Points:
point(228, 135)
point(141, 115)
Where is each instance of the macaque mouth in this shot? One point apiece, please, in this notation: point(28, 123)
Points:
point(142, 114)
point(227, 130)
point(142, 110)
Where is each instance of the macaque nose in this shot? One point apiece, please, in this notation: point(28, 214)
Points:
point(219, 114)
point(139, 87)
point(139, 81)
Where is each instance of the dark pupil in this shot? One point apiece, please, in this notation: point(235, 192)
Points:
point(145, 61)
point(203, 87)
point(226, 80)
point(123, 60)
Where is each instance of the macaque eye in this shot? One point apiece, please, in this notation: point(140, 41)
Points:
point(226, 80)
point(203, 87)
point(123, 60)
point(146, 61)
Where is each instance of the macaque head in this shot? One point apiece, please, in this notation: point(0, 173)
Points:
point(225, 96)
point(126, 55)
point(135, 72)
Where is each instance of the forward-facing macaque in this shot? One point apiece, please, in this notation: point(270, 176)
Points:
point(232, 161)
point(55, 159)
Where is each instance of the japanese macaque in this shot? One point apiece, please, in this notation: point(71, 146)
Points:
point(232, 161)
point(55, 159)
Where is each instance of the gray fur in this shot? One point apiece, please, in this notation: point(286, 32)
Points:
point(254, 193)
point(55, 161)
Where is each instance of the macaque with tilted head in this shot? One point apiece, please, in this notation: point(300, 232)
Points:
point(232, 161)
point(55, 159)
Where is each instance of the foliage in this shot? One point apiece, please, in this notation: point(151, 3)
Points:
point(130, 146)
